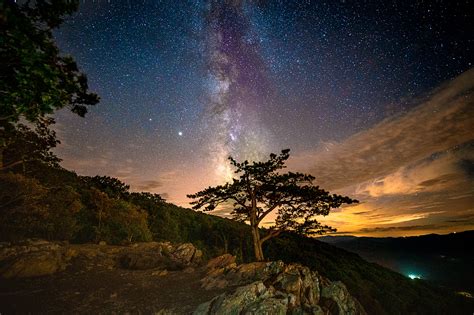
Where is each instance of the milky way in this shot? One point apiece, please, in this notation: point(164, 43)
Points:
point(184, 84)
point(237, 86)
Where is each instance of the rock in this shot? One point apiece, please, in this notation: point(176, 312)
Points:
point(314, 310)
point(198, 257)
point(166, 247)
point(33, 264)
point(301, 282)
point(242, 274)
point(70, 253)
point(186, 254)
point(140, 261)
point(338, 300)
point(189, 270)
point(166, 312)
point(159, 273)
point(221, 262)
point(270, 306)
point(102, 243)
point(251, 271)
point(213, 283)
point(233, 303)
point(287, 289)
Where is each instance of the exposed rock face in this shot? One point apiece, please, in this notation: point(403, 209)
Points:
point(274, 288)
point(186, 254)
point(33, 258)
point(335, 295)
point(221, 262)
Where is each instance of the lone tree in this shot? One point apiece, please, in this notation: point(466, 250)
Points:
point(259, 189)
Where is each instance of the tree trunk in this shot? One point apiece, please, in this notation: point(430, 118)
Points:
point(257, 245)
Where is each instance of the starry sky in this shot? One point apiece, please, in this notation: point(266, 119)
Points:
point(375, 99)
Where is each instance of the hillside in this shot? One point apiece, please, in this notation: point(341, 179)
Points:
point(444, 259)
point(379, 290)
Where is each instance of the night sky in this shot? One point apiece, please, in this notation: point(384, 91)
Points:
point(374, 99)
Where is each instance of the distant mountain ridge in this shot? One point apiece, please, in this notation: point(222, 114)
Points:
point(444, 259)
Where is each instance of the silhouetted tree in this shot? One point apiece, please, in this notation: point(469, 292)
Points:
point(260, 189)
point(35, 80)
point(112, 186)
point(144, 199)
point(26, 145)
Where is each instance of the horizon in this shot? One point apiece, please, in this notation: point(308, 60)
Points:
point(419, 235)
point(375, 102)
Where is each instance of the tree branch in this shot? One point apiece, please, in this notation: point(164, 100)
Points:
point(271, 234)
point(265, 213)
point(11, 165)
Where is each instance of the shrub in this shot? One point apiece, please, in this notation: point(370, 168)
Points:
point(22, 209)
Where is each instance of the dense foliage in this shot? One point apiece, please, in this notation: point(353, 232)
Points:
point(35, 79)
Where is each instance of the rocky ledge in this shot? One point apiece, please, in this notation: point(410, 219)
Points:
point(33, 258)
point(273, 288)
point(161, 278)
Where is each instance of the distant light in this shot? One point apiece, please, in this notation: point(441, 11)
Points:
point(413, 276)
point(180, 133)
point(466, 294)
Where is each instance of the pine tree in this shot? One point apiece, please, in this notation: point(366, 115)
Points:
point(260, 189)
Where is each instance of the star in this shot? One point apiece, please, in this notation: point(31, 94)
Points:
point(249, 80)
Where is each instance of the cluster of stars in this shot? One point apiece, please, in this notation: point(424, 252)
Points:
point(184, 83)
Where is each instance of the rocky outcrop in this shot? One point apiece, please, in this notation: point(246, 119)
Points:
point(153, 255)
point(273, 288)
point(225, 287)
point(186, 254)
point(32, 258)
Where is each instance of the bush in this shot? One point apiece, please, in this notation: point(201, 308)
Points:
point(111, 220)
point(64, 204)
point(126, 222)
point(22, 208)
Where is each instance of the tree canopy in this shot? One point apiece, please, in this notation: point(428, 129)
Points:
point(260, 189)
point(35, 79)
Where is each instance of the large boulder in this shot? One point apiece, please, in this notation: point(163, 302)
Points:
point(32, 258)
point(299, 281)
point(336, 298)
point(186, 254)
point(274, 288)
point(222, 261)
point(250, 296)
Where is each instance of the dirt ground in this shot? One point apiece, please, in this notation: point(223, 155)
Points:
point(92, 288)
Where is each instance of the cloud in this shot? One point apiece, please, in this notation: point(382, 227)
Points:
point(436, 173)
point(398, 228)
point(412, 168)
point(147, 185)
point(441, 122)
